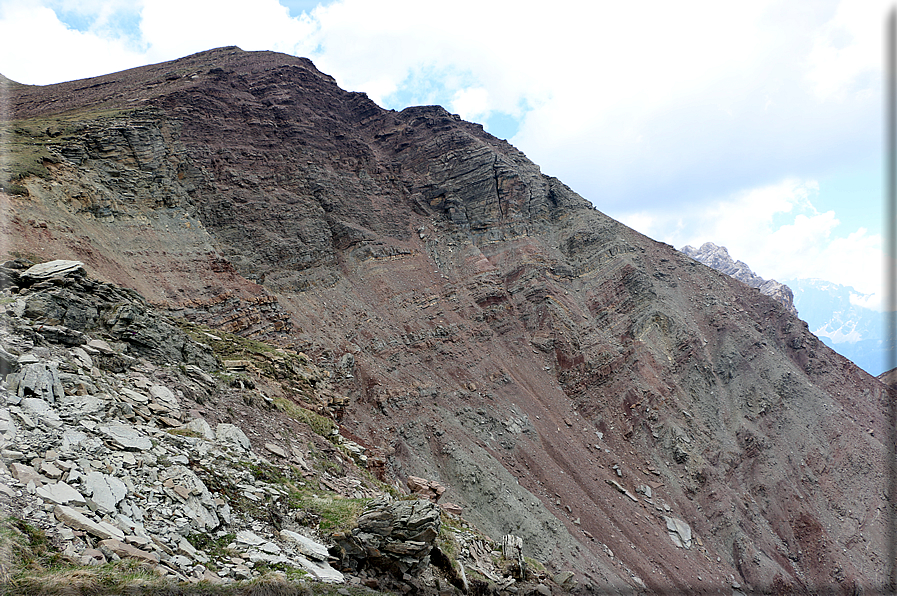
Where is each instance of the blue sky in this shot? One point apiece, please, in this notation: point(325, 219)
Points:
point(755, 125)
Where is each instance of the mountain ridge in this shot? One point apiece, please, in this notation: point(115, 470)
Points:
point(718, 257)
point(475, 296)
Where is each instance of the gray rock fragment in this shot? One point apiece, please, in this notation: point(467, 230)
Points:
point(106, 491)
point(200, 427)
point(52, 269)
point(60, 493)
point(42, 411)
point(230, 435)
point(126, 437)
point(79, 521)
point(308, 547)
point(198, 504)
point(39, 380)
point(8, 428)
point(320, 570)
point(679, 531)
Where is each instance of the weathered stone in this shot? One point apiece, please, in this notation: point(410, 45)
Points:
point(72, 438)
point(8, 363)
point(126, 437)
point(29, 358)
point(135, 396)
point(228, 434)
point(428, 489)
point(42, 411)
point(276, 450)
point(8, 428)
point(92, 557)
point(78, 521)
point(164, 394)
point(307, 546)
point(679, 531)
point(198, 505)
point(82, 357)
point(53, 268)
point(320, 570)
point(200, 375)
point(40, 380)
point(249, 538)
point(186, 549)
point(451, 508)
point(200, 427)
point(25, 474)
point(106, 491)
point(100, 346)
point(126, 551)
point(60, 493)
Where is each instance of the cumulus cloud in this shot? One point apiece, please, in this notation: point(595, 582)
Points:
point(40, 49)
point(173, 28)
point(471, 103)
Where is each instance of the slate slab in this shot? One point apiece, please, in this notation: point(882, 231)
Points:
point(60, 493)
point(79, 521)
point(127, 437)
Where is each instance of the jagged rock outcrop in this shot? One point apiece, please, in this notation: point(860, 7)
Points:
point(396, 536)
point(718, 257)
point(507, 340)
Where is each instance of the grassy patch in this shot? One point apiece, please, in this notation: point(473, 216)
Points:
point(215, 548)
point(184, 432)
point(534, 565)
point(446, 542)
point(336, 513)
point(319, 424)
point(126, 576)
point(267, 472)
point(30, 145)
point(30, 546)
point(294, 371)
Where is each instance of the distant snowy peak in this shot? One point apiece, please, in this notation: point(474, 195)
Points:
point(718, 258)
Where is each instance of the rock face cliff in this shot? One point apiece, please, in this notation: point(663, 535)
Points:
point(718, 257)
point(639, 419)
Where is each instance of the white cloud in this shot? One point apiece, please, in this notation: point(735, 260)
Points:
point(808, 246)
point(40, 49)
point(846, 48)
point(471, 103)
point(173, 28)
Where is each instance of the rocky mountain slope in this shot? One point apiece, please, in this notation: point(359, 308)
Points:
point(147, 448)
point(851, 330)
point(641, 421)
point(718, 257)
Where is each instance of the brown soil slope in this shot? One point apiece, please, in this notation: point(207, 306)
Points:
point(495, 332)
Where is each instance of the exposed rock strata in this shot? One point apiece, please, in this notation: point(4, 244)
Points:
point(508, 340)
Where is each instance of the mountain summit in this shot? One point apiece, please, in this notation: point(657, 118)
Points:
point(641, 421)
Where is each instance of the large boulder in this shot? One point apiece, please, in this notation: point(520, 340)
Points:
point(393, 537)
